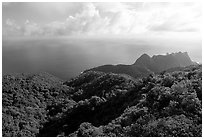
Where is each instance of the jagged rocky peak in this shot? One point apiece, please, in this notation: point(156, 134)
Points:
point(182, 55)
point(179, 53)
point(143, 59)
point(144, 56)
point(174, 54)
point(145, 64)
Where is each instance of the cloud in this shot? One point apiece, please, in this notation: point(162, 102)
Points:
point(11, 28)
point(28, 29)
point(89, 21)
point(31, 29)
point(114, 19)
point(182, 18)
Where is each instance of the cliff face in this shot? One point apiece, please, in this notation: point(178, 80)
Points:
point(146, 61)
point(159, 63)
point(145, 64)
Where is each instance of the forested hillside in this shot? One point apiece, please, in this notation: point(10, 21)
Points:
point(104, 104)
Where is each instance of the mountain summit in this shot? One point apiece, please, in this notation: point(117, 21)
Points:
point(145, 64)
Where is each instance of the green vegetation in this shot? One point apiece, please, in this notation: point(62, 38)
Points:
point(104, 104)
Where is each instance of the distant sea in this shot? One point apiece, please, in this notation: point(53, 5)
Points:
point(68, 57)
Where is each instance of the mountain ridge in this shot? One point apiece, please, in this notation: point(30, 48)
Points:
point(145, 64)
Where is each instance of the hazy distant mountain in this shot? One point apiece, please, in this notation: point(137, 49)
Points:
point(145, 64)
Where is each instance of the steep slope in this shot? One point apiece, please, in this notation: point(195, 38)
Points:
point(171, 60)
point(168, 105)
point(98, 94)
point(146, 61)
point(103, 104)
point(28, 100)
point(145, 64)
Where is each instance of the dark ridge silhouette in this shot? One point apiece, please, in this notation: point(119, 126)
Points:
point(145, 64)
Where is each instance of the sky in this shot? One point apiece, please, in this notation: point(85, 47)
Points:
point(102, 19)
point(72, 37)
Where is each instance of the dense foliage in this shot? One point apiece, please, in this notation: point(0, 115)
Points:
point(28, 101)
point(104, 104)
